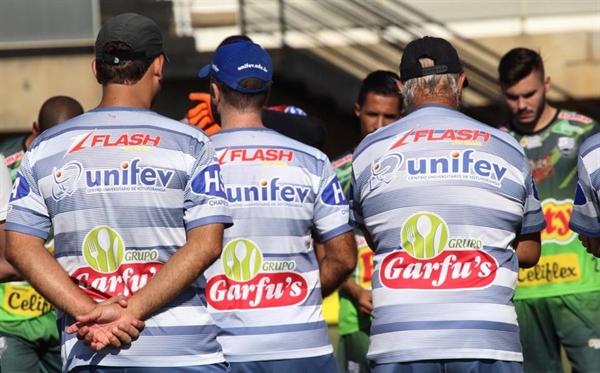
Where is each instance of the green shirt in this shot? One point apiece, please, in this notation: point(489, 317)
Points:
point(19, 301)
point(564, 267)
point(350, 320)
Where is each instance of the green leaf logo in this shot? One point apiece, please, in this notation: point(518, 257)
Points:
point(241, 259)
point(424, 235)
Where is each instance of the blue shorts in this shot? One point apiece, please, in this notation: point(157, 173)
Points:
point(320, 364)
point(211, 368)
point(450, 366)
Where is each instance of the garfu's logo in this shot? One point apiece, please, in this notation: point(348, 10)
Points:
point(424, 235)
point(250, 282)
point(65, 180)
point(111, 269)
point(384, 170)
point(557, 215)
point(431, 259)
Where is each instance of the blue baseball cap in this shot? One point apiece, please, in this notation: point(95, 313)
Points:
point(237, 61)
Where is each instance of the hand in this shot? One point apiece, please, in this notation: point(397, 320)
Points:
point(201, 115)
point(592, 244)
point(365, 301)
point(108, 323)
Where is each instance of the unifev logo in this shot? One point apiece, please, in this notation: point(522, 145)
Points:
point(432, 259)
point(209, 182)
point(65, 180)
point(459, 165)
point(130, 176)
point(112, 269)
point(384, 170)
point(269, 192)
point(557, 215)
point(462, 136)
point(250, 282)
point(91, 140)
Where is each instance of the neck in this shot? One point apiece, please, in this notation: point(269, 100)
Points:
point(543, 121)
point(231, 119)
point(436, 100)
point(134, 96)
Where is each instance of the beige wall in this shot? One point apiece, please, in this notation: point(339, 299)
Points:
point(25, 83)
point(572, 60)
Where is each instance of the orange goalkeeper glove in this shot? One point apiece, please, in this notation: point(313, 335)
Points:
point(201, 114)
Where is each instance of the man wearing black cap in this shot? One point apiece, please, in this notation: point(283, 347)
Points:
point(265, 292)
point(138, 209)
point(449, 207)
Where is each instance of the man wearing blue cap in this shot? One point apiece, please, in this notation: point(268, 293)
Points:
point(138, 210)
point(265, 292)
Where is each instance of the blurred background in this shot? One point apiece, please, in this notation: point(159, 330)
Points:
point(321, 49)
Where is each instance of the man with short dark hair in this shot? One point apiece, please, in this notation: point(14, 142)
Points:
point(27, 320)
point(265, 292)
point(449, 207)
point(378, 104)
point(558, 300)
point(138, 209)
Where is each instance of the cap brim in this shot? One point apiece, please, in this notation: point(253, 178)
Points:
point(203, 73)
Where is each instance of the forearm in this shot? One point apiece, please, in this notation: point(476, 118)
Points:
point(30, 258)
point(528, 249)
point(338, 263)
point(351, 287)
point(7, 272)
point(203, 247)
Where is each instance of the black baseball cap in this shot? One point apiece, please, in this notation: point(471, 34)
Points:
point(140, 33)
point(443, 54)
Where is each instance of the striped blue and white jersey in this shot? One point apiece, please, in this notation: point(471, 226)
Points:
point(443, 197)
point(585, 218)
point(121, 187)
point(264, 293)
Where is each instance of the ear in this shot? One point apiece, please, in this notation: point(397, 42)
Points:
point(357, 109)
point(35, 128)
point(158, 65)
point(215, 93)
point(547, 83)
point(461, 82)
point(399, 84)
point(95, 71)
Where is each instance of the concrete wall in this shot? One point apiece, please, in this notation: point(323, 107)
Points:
point(572, 61)
point(26, 82)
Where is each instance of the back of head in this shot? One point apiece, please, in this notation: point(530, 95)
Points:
point(380, 82)
point(243, 71)
point(430, 69)
point(56, 110)
point(517, 64)
point(125, 47)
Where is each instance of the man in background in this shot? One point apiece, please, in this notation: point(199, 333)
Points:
point(288, 120)
point(138, 209)
point(585, 218)
point(265, 292)
point(27, 320)
point(449, 206)
point(557, 301)
point(378, 104)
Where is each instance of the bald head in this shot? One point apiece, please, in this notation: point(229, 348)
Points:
point(57, 110)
